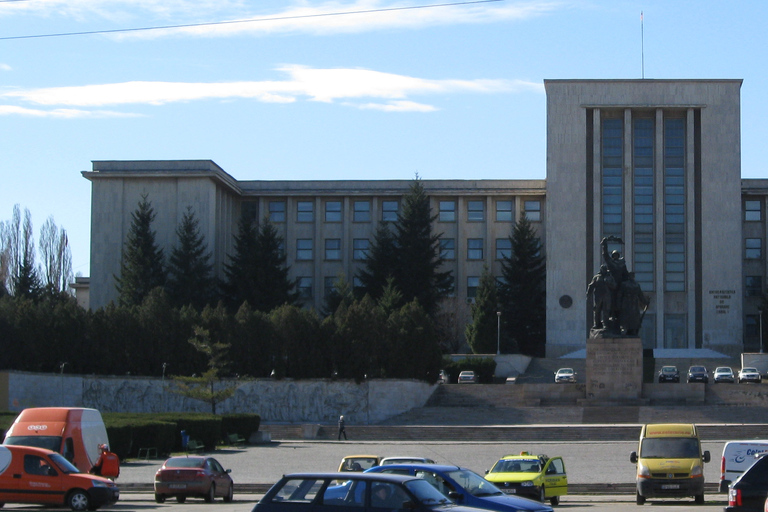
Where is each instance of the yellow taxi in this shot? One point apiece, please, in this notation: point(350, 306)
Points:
point(359, 462)
point(532, 476)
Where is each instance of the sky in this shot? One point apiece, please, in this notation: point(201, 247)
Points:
point(344, 89)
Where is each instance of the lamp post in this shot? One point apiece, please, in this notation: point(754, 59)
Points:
point(162, 385)
point(761, 331)
point(498, 333)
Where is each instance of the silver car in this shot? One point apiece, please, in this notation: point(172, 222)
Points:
point(749, 374)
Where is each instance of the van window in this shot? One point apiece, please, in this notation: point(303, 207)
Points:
point(670, 448)
point(69, 449)
point(35, 465)
point(48, 442)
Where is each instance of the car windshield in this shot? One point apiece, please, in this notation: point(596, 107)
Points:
point(184, 462)
point(724, 370)
point(669, 369)
point(48, 442)
point(63, 464)
point(426, 493)
point(698, 369)
point(474, 484)
point(670, 448)
point(749, 370)
point(359, 463)
point(565, 371)
point(517, 466)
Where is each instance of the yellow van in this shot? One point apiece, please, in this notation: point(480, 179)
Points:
point(669, 462)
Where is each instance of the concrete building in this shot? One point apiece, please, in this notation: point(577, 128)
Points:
point(653, 162)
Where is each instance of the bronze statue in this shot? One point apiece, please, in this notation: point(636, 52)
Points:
point(601, 287)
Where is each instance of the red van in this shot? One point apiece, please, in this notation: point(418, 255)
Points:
point(36, 475)
point(74, 432)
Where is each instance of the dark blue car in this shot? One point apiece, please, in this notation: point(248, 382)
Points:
point(465, 487)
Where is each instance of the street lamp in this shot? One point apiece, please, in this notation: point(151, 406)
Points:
point(162, 385)
point(761, 331)
point(498, 333)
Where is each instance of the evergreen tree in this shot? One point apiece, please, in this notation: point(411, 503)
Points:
point(482, 333)
point(410, 255)
point(142, 268)
point(189, 268)
point(342, 293)
point(257, 272)
point(26, 282)
point(523, 291)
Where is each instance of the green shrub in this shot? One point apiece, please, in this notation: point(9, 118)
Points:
point(484, 368)
point(242, 424)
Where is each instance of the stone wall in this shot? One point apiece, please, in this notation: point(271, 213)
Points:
point(281, 401)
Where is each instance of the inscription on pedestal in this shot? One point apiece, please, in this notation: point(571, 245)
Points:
point(614, 368)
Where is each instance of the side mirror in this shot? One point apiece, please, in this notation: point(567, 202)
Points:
point(633, 457)
point(455, 496)
point(487, 471)
point(706, 457)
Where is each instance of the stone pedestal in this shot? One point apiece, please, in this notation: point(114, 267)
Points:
point(614, 369)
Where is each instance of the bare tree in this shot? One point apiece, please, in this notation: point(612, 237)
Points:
point(56, 267)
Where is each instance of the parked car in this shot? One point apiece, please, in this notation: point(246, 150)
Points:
point(405, 460)
point(467, 377)
point(698, 374)
point(308, 492)
point(749, 374)
point(193, 476)
point(39, 476)
point(737, 457)
point(536, 476)
point(749, 492)
point(359, 462)
point(565, 375)
point(723, 374)
point(466, 487)
point(442, 377)
point(669, 374)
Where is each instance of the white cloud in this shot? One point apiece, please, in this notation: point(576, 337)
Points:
point(60, 113)
point(324, 85)
point(5, 67)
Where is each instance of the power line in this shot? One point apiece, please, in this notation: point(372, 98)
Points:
point(231, 22)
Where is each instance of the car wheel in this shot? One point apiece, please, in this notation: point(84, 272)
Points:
point(542, 495)
point(660, 381)
point(554, 500)
point(181, 499)
point(211, 494)
point(640, 500)
point(699, 499)
point(159, 498)
point(78, 500)
point(230, 494)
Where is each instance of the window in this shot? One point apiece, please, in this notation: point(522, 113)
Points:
point(643, 212)
point(752, 211)
point(277, 211)
point(753, 286)
point(329, 286)
point(357, 284)
point(333, 211)
point(360, 248)
point(674, 266)
point(504, 211)
point(533, 210)
point(752, 327)
point(753, 248)
point(448, 248)
point(389, 211)
point(475, 211)
point(333, 248)
point(304, 249)
point(305, 211)
point(503, 248)
point(475, 249)
point(447, 211)
point(305, 288)
point(362, 212)
point(472, 283)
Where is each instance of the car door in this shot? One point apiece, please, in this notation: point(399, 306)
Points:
point(39, 482)
point(219, 475)
point(555, 478)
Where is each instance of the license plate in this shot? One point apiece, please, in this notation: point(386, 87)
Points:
point(509, 491)
point(670, 486)
point(178, 486)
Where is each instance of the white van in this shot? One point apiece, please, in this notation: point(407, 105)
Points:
point(737, 457)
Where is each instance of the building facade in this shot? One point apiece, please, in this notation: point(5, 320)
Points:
point(655, 163)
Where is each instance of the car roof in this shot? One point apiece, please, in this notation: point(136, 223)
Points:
point(430, 467)
point(352, 475)
point(523, 456)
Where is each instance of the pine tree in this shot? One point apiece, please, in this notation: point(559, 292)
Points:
point(410, 255)
point(257, 272)
point(482, 333)
point(142, 268)
point(189, 270)
point(523, 292)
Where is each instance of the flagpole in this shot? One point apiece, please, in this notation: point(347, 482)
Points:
point(642, 47)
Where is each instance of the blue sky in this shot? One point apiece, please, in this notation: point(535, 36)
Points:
point(345, 89)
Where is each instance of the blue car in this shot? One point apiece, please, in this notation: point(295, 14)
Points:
point(465, 487)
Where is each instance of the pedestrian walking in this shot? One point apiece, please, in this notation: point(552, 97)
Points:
point(342, 430)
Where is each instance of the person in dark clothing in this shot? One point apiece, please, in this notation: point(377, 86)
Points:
point(342, 430)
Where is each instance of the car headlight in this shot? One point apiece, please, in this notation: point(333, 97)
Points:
point(643, 471)
point(527, 483)
point(99, 483)
point(696, 470)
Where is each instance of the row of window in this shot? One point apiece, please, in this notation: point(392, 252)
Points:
point(304, 286)
point(361, 211)
point(360, 247)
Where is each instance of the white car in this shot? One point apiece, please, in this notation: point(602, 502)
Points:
point(467, 377)
point(724, 374)
point(405, 460)
point(749, 374)
point(565, 375)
